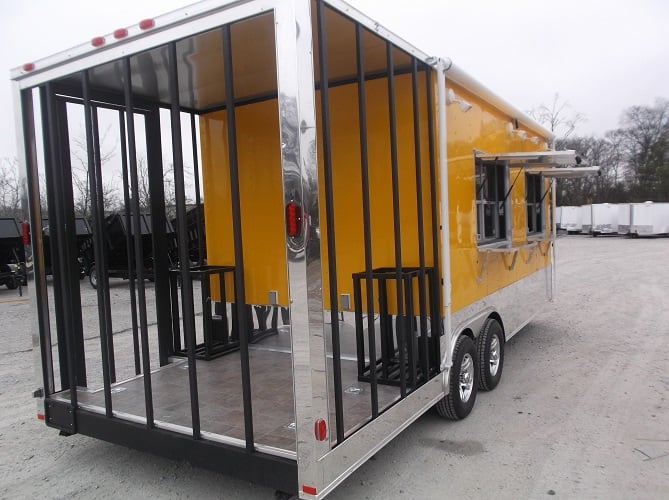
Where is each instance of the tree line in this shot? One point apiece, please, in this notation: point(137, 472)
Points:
point(634, 158)
point(634, 161)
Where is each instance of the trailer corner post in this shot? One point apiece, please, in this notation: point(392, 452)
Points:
point(297, 111)
point(26, 151)
point(442, 66)
point(553, 271)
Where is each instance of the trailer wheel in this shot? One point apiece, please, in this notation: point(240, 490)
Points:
point(490, 354)
point(462, 387)
point(92, 276)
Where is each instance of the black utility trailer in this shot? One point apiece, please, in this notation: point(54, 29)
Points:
point(12, 256)
point(84, 236)
point(119, 253)
point(195, 234)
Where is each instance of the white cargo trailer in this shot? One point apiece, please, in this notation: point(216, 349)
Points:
point(649, 219)
point(586, 219)
point(571, 219)
point(604, 218)
point(623, 218)
point(558, 217)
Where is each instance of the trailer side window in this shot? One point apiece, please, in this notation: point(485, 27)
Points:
point(534, 196)
point(491, 210)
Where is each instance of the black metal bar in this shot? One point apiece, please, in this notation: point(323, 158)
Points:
point(103, 286)
point(198, 201)
point(160, 259)
point(186, 278)
point(330, 222)
point(436, 229)
point(137, 233)
point(407, 320)
point(359, 337)
point(205, 293)
point(94, 171)
point(386, 325)
point(128, 244)
point(34, 210)
point(240, 290)
point(50, 138)
point(366, 211)
point(69, 248)
point(396, 215)
point(176, 329)
point(419, 212)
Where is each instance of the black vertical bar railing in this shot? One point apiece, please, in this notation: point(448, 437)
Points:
point(241, 319)
point(32, 177)
point(366, 217)
point(422, 301)
point(98, 238)
point(100, 202)
point(436, 229)
point(401, 333)
point(198, 213)
point(68, 241)
point(64, 330)
point(137, 240)
point(186, 278)
point(330, 221)
point(128, 244)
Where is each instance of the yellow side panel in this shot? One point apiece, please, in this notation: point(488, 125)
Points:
point(486, 129)
point(347, 182)
point(261, 198)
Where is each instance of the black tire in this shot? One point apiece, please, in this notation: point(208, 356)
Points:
point(456, 405)
point(92, 276)
point(490, 354)
point(13, 283)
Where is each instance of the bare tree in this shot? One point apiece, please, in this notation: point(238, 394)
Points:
point(644, 136)
point(80, 180)
point(10, 188)
point(558, 117)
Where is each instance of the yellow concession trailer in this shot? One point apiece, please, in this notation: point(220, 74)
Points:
point(378, 225)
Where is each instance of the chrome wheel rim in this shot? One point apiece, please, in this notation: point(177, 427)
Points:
point(466, 377)
point(494, 355)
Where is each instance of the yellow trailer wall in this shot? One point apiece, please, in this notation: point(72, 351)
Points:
point(482, 127)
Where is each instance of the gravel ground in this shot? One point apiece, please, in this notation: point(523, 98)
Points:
point(582, 410)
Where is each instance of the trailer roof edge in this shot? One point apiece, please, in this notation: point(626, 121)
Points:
point(460, 77)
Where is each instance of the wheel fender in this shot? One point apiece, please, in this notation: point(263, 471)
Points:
point(473, 323)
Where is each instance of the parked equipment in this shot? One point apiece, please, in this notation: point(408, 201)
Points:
point(604, 218)
point(118, 232)
point(571, 218)
point(649, 219)
point(12, 259)
point(624, 214)
point(586, 219)
point(84, 244)
point(404, 252)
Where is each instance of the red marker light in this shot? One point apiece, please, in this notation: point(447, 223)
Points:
point(98, 41)
point(40, 416)
point(28, 66)
point(146, 24)
point(320, 429)
point(120, 33)
point(309, 490)
point(25, 232)
point(293, 219)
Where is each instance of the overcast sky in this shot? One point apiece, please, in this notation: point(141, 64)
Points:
point(600, 56)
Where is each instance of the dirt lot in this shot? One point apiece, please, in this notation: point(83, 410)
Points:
point(582, 410)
